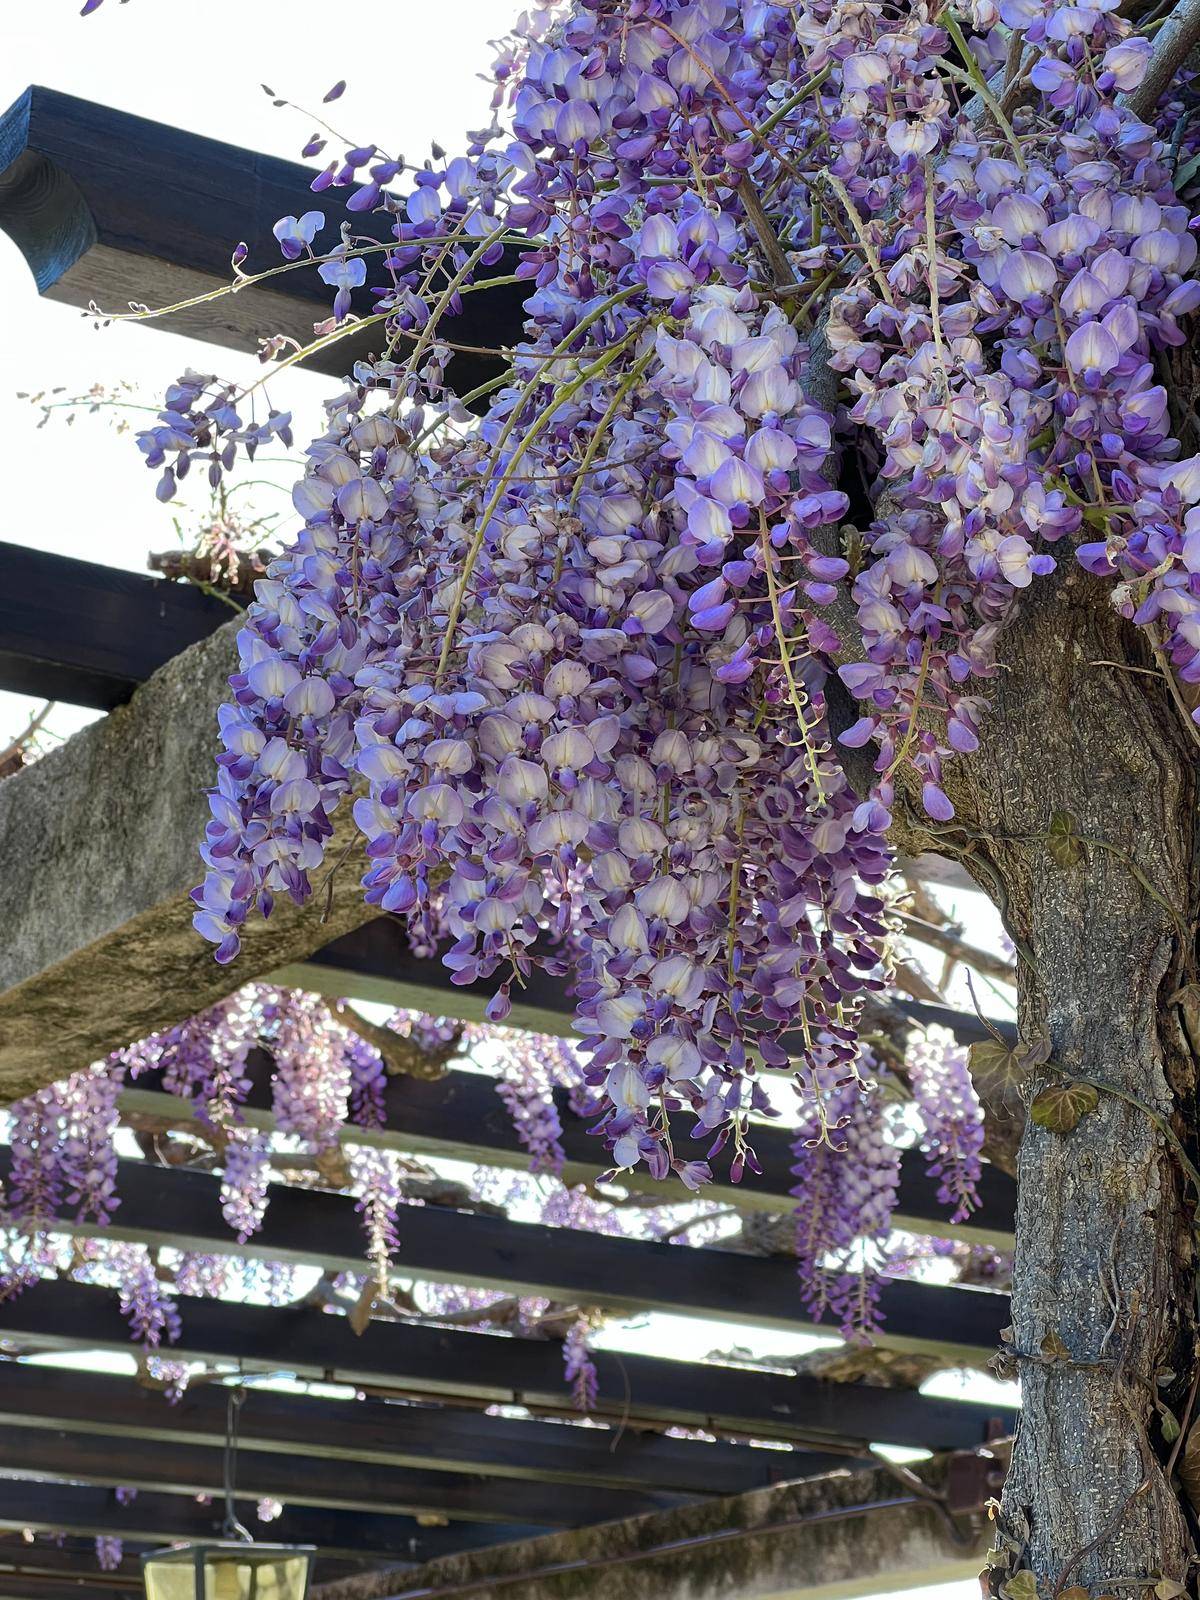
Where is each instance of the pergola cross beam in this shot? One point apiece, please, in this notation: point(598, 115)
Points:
point(460, 1117)
point(167, 1207)
point(374, 1434)
point(82, 197)
point(156, 1518)
point(474, 1368)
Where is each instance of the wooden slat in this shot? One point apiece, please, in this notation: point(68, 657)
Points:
point(83, 196)
point(460, 1116)
point(375, 963)
point(88, 634)
point(433, 1438)
point(306, 1477)
point(69, 1560)
point(180, 1209)
point(93, 1585)
point(486, 1368)
point(88, 1509)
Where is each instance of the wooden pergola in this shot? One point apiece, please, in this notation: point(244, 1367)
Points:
point(450, 1447)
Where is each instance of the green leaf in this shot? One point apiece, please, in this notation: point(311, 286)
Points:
point(1063, 843)
point(1168, 1589)
point(1021, 1586)
point(1168, 1423)
point(1185, 173)
point(1061, 1107)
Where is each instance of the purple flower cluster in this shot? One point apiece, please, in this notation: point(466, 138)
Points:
point(244, 1176)
point(311, 1088)
point(569, 668)
point(847, 1173)
point(951, 1118)
point(999, 334)
point(573, 661)
point(376, 1181)
point(110, 1552)
point(368, 1080)
point(579, 1369)
point(87, 1157)
point(146, 1300)
point(200, 422)
point(202, 1059)
point(526, 1085)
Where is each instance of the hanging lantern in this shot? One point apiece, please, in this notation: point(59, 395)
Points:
point(232, 1568)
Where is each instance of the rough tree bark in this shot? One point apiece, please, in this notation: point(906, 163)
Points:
point(1104, 1282)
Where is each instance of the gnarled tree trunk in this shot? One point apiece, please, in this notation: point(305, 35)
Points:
point(1104, 1288)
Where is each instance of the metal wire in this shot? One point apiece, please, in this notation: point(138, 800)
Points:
point(232, 1528)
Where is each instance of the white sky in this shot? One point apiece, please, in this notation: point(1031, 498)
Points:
point(82, 490)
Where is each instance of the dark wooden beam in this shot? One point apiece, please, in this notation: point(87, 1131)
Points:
point(156, 1518)
point(460, 1115)
point(84, 197)
point(374, 962)
point(181, 1210)
point(74, 1559)
point(88, 634)
point(82, 1585)
point(93, 1585)
point(306, 1477)
point(433, 1438)
point(473, 1368)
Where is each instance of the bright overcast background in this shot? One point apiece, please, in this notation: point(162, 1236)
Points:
point(81, 489)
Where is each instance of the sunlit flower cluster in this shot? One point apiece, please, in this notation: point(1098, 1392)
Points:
point(839, 337)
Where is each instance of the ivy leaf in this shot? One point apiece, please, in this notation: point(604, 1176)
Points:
point(1021, 1586)
point(999, 1071)
point(1167, 1422)
point(1053, 1349)
point(1168, 1589)
point(1188, 1469)
point(1063, 843)
point(1061, 1108)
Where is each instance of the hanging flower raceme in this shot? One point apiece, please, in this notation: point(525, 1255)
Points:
point(952, 1119)
point(568, 664)
point(110, 1552)
point(579, 1369)
point(376, 1182)
point(847, 1172)
point(244, 1176)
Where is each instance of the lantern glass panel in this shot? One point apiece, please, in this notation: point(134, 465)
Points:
point(228, 1571)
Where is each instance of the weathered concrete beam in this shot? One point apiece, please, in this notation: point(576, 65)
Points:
point(98, 841)
point(829, 1539)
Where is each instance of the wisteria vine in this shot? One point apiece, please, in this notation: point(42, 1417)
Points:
point(568, 664)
